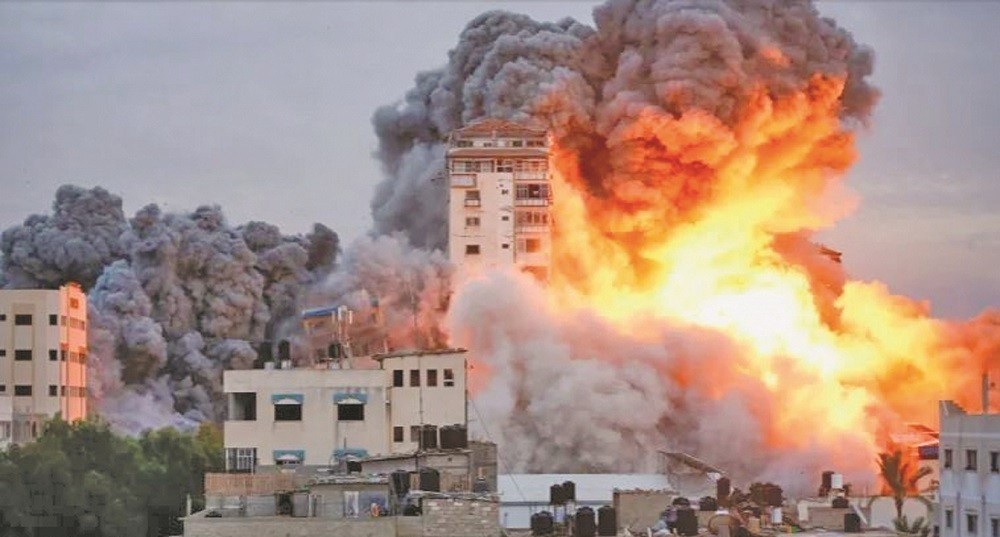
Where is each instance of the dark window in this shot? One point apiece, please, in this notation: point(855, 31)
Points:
point(53, 390)
point(414, 433)
point(414, 377)
point(397, 434)
point(62, 355)
point(62, 391)
point(505, 218)
point(62, 320)
point(995, 461)
point(995, 527)
point(970, 459)
point(948, 519)
point(3, 352)
point(432, 377)
point(3, 388)
point(3, 316)
point(22, 390)
point(243, 406)
point(449, 378)
point(53, 320)
point(971, 523)
point(471, 249)
point(74, 303)
point(350, 412)
point(947, 460)
point(287, 412)
point(505, 246)
point(397, 378)
point(22, 320)
point(53, 355)
point(22, 355)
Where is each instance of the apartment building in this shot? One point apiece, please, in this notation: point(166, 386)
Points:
point(969, 464)
point(43, 355)
point(499, 198)
point(349, 407)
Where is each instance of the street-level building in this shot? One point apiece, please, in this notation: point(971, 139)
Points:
point(969, 492)
point(354, 407)
point(43, 359)
point(499, 197)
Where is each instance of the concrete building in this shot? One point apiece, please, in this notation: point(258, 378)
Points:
point(499, 197)
point(969, 462)
point(43, 357)
point(353, 407)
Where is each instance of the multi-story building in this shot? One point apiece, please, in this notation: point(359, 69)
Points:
point(969, 491)
point(499, 197)
point(43, 355)
point(350, 407)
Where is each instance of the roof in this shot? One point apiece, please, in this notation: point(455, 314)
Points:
point(497, 126)
point(491, 152)
point(412, 454)
point(416, 352)
point(590, 488)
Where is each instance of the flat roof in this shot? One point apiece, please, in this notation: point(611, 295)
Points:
point(416, 352)
point(497, 127)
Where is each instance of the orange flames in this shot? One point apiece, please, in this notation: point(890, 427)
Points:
point(706, 223)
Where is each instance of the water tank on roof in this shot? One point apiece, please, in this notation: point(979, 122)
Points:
point(556, 495)
point(461, 436)
point(353, 467)
point(480, 485)
point(852, 523)
point(542, 523)
point(429, 437)
point(430, 480)
point(827, 480)
point(401, 482)
point(840, 503)
point(708, 503)
point(722, 489)
point(569, 491)
point(607, 521)
point(687, 522)
point(454, 437)
point(284, 350)
point(584, 524)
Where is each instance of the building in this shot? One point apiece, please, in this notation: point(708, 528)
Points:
point(499, 197)
point(969, 491)
point(355, 407)
point(43, 356)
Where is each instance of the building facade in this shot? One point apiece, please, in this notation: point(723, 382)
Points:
point(355, 407)
point(499, 198)
point(43, 358)
point(969, 492)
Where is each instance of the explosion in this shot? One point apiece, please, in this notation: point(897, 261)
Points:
point(697, 147)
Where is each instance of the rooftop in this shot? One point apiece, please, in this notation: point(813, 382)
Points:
point(416, 352)
point(497, 127)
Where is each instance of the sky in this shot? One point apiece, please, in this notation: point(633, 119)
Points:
point(265, 108)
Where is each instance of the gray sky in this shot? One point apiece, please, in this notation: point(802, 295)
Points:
point(264, 108)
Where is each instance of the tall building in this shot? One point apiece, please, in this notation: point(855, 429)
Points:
point(969, 462)
point(43, 358)
point(499, 197)
point(346, 407)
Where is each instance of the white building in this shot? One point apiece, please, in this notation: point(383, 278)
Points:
point(355, 407)
point(43, 356)
point(499, 197)
point(969, 491)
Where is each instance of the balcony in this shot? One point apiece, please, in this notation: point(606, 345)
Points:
point(473, 203)
point(464, 180)
point(531, 176)
point(531, 202)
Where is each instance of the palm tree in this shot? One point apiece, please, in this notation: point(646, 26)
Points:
point(900, 477)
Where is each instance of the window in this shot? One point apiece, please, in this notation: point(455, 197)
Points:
point(971, 523)
point(22, 355)
point(3, 352)
point(529, 245)
point(414, 377)
point(532, 191)
point(397, 435)
point(970, 459)
point(22, 390)
point(397, 378)
point(53, 390)
point(347, 412)
point(449, 378)
point(947, 460)
point(414, 433)
point(62, 320)
point(432, 377)
point(504, 191)
point(948, 518)
point(472, 198)
point(3, 316)
point(995, 527)
point(53, 320)
point(505, 218)
point(241, 459)
point(74, 303)
point(3, 388)
point(62, 391)
point(287, 412)
point(505, 246)
point(471, 221)
point(53, 355)
point(22, 320)
point(995, 461)
point(532, 218)
point(243, 406)
point(471, 249)
point(62, 355)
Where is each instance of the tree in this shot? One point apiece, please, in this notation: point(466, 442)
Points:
point(899, 477)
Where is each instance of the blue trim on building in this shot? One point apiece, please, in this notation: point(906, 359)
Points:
point(280, 454)
point(286, 399)
point(340, 453)
point(350, 398)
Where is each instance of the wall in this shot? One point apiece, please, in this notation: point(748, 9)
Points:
point(218, 484)
point(640, 509)
point(827, 518)
point(968, 492)
point(882, 511)
point(460, 518)
point(435, 405)
point(199, 526)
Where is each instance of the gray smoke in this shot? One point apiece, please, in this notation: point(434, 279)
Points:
point(173, 298)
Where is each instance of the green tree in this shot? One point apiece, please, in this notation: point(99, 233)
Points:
point(900, 477)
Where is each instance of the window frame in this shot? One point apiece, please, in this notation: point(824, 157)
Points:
point(398, 378)
point(972, 523)
point(348, 412)
point(472, 249)
point(23, 390)
point(414, 378)
point(432, 378)
point(287, 413)
point(948, 461)
point(398, 434)
point(23, 355)
point(23, 319)
point(449, 378)
point(971, 460)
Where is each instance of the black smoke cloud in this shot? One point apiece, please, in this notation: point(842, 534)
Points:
point(174, 298)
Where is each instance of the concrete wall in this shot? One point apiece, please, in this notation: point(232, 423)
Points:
point(828, 518)
point(199, 526)
point(968, 495)
point(434, 405)
point(640, 509)
point(460, 518)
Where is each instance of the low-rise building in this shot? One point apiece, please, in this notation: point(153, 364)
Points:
point(969, 463)
point(350, 408)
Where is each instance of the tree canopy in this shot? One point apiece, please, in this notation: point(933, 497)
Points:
point(83, 480)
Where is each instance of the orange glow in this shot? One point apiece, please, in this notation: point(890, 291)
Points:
point(706, 223)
